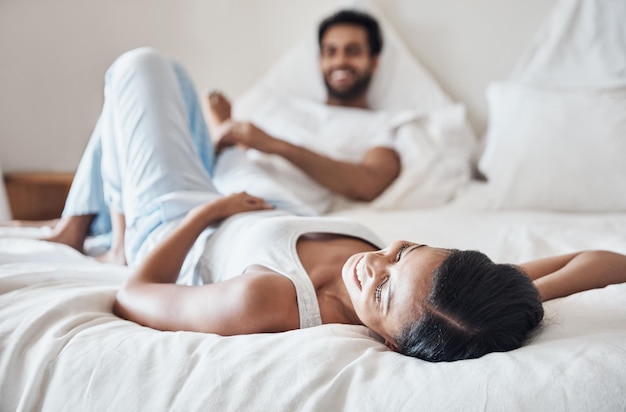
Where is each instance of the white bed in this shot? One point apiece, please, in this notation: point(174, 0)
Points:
point(61, 348)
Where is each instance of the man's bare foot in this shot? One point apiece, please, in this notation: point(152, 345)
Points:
point(71, 231)
point(111, 256)
point(218, 111)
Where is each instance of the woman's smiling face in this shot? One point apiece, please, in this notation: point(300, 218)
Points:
point(388, 287)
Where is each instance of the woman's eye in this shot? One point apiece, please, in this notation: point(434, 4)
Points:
point(400, 250)
point(379, 290)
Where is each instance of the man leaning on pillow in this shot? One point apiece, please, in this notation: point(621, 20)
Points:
point(360, 162)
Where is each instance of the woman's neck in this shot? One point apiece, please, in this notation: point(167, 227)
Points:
point(337, 308)
point(323, 257)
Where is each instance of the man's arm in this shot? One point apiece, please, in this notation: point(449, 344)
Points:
point(564, 275)
point(358, 181)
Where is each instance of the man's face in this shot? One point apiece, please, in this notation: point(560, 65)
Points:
point(346, 62)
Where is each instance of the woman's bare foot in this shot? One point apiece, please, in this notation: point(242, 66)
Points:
point(218, 111)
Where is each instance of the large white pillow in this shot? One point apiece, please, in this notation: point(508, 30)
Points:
point(582, 44)
point(556, 150)
point(436, 151)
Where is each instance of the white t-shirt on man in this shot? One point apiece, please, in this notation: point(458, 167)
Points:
point(344, 134)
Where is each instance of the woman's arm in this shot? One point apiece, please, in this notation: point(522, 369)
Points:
point(163, 264)
point(564, 275)
point(244, 304)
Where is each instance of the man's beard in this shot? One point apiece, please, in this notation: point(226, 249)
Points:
point(357, 90)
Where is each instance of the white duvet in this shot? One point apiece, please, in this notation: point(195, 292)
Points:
point(63, 349)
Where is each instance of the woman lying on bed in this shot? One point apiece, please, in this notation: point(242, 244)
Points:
point(233, 265)
point(431, 303)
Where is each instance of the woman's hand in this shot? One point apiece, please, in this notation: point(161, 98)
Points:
point(239, 203)
point(163, 263)
point(227, 206)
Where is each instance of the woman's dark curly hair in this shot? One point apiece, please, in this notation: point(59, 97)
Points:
point(475, 307)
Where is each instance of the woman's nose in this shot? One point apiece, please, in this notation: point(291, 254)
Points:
point(375, 263)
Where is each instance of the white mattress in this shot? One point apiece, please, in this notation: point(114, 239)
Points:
point(63, 349)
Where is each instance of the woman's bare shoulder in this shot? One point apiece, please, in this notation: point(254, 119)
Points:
point(270, 298)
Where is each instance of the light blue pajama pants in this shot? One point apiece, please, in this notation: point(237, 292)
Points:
point(150, 141)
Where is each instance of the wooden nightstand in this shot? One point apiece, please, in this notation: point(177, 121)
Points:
point(37, 195)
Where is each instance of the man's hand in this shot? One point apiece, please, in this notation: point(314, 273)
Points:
point(245, 135)
point(217, 110)
point(364, 180)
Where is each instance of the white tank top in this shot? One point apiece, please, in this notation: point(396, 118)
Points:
point(269, 239)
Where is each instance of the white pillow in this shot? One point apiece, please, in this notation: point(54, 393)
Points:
point(556, 150)
point(582, 44)
point(436, 151)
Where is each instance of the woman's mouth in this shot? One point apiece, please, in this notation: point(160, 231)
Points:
point(359, 274)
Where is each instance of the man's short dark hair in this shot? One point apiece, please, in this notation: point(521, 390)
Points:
point(357, 18)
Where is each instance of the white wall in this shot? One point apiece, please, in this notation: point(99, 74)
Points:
point(468, 43)
point(53, 54)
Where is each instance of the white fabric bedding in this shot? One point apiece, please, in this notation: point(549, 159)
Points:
point(63, 349)
point(557, 128)
point(581, 45)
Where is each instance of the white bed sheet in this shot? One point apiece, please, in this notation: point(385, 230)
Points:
point(63, 349)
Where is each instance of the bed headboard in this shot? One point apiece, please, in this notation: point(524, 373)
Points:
point(54, 55)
